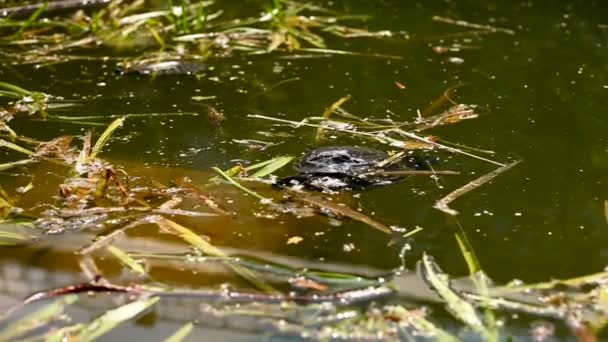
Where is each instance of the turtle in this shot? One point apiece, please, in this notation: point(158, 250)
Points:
point(354, 167)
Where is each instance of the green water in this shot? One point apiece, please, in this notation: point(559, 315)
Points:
point(543, 92)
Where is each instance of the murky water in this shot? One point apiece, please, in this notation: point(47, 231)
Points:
point(543, 91)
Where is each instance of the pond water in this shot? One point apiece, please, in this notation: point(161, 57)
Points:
point(541, 87)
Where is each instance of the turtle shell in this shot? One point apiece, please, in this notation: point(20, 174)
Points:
point(346, 160)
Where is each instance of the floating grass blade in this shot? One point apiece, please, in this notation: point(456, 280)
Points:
point(119, 116)
point(478, 277)
point(238, 185)
point(15, 147)
point(327, 113)
point(21, 162)
point(5, 205)
point(591, 279)
point(31, 20)
point(10, 94)
point(14, 232)
point(272, 166)
point(205, 247)
point(83, 156)
point(113, 318)
point(15, 89)
point(606, 210)
point(105, 136)
point(460, 308)
point(411, 233)
point(37, 318)
point(126, 259)
point(181, 333)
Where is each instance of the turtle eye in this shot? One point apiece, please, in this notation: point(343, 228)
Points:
point(341, 159)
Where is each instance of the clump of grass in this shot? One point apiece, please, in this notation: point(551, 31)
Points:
point(286, 26)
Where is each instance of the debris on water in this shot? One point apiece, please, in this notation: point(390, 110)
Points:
point(254, 144)
point(294, 240)
point(455, 60)
point(303, 283)
point(154, 67)
point(342, 210)
point(541, 330)
point(348, 247)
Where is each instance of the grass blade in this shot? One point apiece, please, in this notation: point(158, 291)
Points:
point(15, 89)
point(460, 308)
point(478, 277)
point(31, 20)
point(37, 318)
point(105, 136)
point(14, 147)
point(205, 247)
point(238, 185)
point(273, 165)
point(9, 165)
point(181, 333)
point(15, 232)
point(127, 260)
point(327, 113)
point(113, 318)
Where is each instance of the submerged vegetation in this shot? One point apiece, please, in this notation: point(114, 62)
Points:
point(114, 216)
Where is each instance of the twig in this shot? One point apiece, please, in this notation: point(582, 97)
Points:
point(340, 298)
point(374, 136)
point(327, 113)
point(344, 211)
point(472, 25)
point(444, 147)
point(410, 233)
point(442, 204)
point(414, 172)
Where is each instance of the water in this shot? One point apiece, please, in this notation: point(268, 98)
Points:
point(543, 91)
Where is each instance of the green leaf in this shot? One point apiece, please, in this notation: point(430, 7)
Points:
point(238, 185)
point(273, 165)
point(112, 318)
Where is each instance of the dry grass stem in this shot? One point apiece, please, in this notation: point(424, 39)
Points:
point(442, 204)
